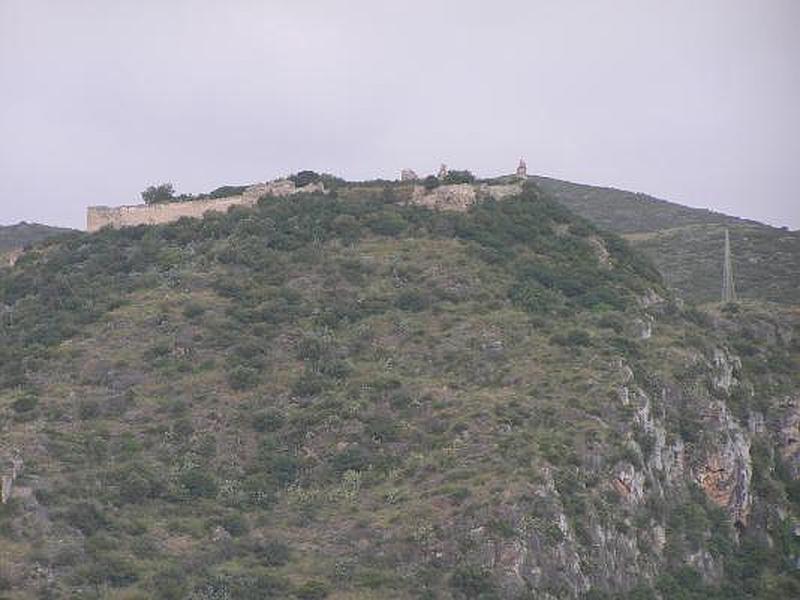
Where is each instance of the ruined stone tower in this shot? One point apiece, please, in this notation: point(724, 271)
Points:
point(522, 169)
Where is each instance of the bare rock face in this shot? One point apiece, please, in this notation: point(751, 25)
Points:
point(446, 197)
point(602, 253)
point(13, 256)
point(789, 437)
point(461, 196)
point(650, 298)
point(725, 471)
point(498, 192)
point(11, 471)
point(725, 367)
point(629, 484)
point(641, 327)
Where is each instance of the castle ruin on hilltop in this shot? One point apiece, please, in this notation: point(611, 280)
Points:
point(98, 217)
point(446, 196)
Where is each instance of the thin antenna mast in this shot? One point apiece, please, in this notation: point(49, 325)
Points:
point(728, 287)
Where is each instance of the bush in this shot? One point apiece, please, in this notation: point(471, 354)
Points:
point(170, 584)
point(192, 310)
point(455, 177)
point(431, 182)
point(87, 517)
point(412, 301)
point(242, 377)
point(235, 524)
point(228, 190)
point(534, 298)
point(304, 178)
point(268, 420)
point(88, 410)
point(472, 582)
point(197, 483)
point(388, 223)
point(25, 403)
point(272, 553)
point(354, 458)
point(308, 384)
point(136, 483)
point(312, 590)
point(575, 338)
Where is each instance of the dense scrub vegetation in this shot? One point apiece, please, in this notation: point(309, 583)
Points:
point(24, 234)
point(355, 398)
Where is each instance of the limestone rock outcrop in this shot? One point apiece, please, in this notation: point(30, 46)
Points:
point(725, 471)
point(461, 196)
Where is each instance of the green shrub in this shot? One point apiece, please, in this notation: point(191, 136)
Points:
point(136, 483)
point(455, 177)
point(472, 582)
point(354, 458)
point(198, 483)
point(268, 420)
point(88, 410)
point(235, 524)
point(242, 377)
point(226, 191)
point(86, 516)
point(575, 338)
point(312, 590)
point(388, 222)
point(534, 298)
point(170, 584)
point(272, 553)
point(431, 182)
point(304, 178)
point(412, 300)
point(25, 403)
point(308, 384)
point(192, 310)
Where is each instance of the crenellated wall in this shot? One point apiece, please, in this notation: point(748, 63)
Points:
point(98, 217)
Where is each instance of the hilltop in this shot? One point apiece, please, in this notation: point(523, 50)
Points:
point(348, 395)
point(684, 243)
point(23, 234)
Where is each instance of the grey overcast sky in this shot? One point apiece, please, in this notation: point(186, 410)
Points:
point(695, 101)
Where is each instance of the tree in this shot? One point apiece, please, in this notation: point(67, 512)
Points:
point(431, 182)
point(453, 177)
point(156, 194)
point(304, 178)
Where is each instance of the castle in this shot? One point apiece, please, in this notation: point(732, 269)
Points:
point(445, 197)
point(98, 217)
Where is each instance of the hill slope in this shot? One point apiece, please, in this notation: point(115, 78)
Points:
point(24, 234)
point(686, 243)
point(353, 398)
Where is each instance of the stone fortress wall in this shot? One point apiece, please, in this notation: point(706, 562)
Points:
point(458, 196)
point(98, 217)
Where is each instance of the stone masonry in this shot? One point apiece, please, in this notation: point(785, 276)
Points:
point(444, 197)
point(98, 217)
